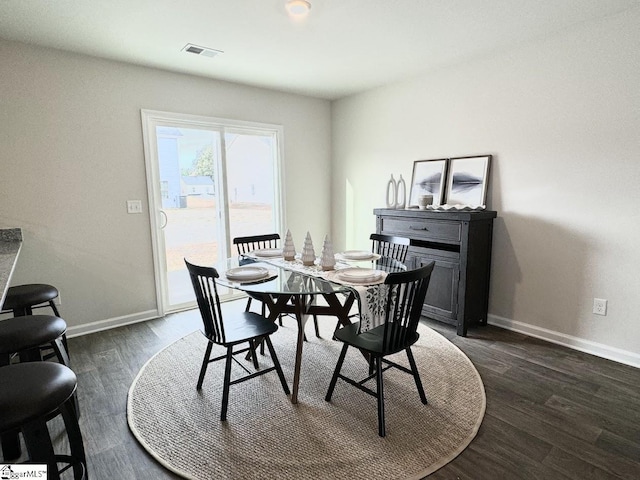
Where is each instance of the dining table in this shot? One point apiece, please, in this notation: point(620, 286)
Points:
point(288, 287)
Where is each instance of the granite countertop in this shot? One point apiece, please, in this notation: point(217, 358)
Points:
point(10, 243)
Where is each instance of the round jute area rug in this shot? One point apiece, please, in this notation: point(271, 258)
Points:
point(266, 436)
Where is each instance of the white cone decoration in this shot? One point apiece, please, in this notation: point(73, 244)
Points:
point(327, 259)
point(308, 254)
point(289, 250)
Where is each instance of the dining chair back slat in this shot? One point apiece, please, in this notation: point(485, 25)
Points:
point(390, 246)
point(256, 242)
point(204, 286)
point(407, 291)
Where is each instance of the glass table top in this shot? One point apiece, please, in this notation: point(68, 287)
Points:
point(276, 277)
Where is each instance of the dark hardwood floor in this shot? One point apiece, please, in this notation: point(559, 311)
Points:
point(552, 412)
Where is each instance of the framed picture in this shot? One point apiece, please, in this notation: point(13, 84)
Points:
point(428, 179)
point(467, 180)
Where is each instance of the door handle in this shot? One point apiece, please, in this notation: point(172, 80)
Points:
point(163, 224)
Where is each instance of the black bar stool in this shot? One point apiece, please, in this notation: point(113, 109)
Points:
point(22, 299)
point(24, 337)
point(33, 393)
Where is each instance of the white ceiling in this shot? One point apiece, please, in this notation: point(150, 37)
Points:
point(343, 47)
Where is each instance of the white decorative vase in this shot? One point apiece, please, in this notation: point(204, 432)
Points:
point(401, 187)
point(391, 193)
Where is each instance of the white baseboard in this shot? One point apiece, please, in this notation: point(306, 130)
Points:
point(101, 325)
point(576, 343)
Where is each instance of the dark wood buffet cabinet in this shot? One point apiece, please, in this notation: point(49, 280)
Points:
point(460, 245)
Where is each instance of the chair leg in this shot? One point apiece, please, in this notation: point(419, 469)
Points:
point(11, 449)
point(227, 381)
point(205, 362)
point(57, 314)
point(63, 357)
point(23, 311)
point(39, 447)
point(380, 383)
point(416, 376)
point(70, 417)
point(315, 324)
point(54, 308)
point(336, 372)
point(252, 350)
point(246, 309)
point(61, 352)
point(276, 363)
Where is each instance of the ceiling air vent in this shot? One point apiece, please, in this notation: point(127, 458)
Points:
point(202, 51)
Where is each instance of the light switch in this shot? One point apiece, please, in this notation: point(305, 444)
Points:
point(134, 206)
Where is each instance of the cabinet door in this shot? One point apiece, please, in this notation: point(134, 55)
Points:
point(442, 296)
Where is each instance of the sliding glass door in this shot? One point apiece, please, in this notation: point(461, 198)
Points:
point(209, 180)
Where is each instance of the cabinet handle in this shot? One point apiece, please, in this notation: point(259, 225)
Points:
point(411, 227)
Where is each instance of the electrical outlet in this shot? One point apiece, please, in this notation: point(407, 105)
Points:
point(599, 306)
point(134, 206)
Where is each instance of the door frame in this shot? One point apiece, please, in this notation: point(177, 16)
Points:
point(151, 119)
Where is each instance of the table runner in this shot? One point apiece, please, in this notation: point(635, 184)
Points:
point(371, 298)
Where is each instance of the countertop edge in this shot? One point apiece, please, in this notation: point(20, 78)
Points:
point(10, 245)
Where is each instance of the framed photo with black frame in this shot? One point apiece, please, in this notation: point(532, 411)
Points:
point(467, 180)
point(428, 178)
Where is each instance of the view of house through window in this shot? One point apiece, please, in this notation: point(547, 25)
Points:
point(213, 184)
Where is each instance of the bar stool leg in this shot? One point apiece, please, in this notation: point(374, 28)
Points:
point(36, 437)
point(10, 446)
point(76, 445)
point(9, 440)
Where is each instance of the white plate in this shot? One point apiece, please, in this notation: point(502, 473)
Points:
point(247, 273)
point(360, 275)
point(268, 252)
point(357, 255)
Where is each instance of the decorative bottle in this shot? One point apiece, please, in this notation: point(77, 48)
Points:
point(391, 193)
point(401, 187)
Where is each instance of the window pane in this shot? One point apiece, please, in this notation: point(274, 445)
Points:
point(250, 183)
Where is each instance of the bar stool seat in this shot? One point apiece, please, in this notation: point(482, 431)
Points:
point(33, 393)
point(24, 336)
point(22, 298)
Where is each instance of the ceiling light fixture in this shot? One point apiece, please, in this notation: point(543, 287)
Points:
point(298, 8)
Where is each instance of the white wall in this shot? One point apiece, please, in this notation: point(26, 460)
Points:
point(71, 154)
point(561, 118)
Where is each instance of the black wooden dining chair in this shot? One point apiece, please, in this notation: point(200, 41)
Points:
point(243, 327)
point(390, 246)
point(256, 242)
point(404, 301)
